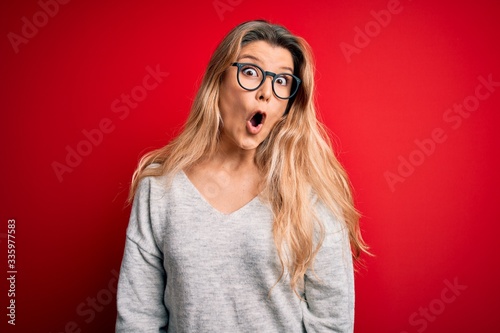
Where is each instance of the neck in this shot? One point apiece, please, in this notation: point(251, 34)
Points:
point(233, 158)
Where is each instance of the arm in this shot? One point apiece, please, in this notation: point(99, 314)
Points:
point(329, 290)
point(142, 279)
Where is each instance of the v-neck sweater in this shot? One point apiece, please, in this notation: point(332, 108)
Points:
point(189, 268)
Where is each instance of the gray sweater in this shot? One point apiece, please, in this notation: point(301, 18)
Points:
point(194, 269)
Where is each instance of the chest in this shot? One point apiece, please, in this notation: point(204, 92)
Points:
point(225, 192)
point(198, 238)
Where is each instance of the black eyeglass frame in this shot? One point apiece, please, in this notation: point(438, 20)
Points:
point(265, 74)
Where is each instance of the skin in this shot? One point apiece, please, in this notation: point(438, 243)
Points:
point(231, 179)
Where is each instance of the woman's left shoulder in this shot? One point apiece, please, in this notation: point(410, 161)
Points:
point(332, 212)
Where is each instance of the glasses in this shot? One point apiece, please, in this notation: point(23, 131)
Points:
point(251, 77)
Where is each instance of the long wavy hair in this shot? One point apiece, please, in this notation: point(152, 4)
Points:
point(296, 160)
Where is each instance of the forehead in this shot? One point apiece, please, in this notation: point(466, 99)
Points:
point(267, 55)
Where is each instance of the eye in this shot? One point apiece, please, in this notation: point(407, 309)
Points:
point(282, 80)
point(250, 71)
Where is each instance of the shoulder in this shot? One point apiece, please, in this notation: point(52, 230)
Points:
point(331, 216)
point(334, 226)
point(150, 212)
point(156, 195)
point(155, 182)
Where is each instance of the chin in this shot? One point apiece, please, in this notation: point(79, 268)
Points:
point(249, 144)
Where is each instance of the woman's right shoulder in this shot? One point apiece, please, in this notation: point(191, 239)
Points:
point(155, 179)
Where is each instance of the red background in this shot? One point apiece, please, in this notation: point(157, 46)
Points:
point(437, 227)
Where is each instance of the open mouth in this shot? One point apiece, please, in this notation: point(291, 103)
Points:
point(257, 119)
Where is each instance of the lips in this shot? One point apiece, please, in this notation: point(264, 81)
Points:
point(256, 121)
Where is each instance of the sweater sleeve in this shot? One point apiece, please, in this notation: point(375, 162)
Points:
point(142, 279)
point(329, 289)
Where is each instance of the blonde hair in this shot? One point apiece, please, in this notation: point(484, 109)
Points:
point(296, 158)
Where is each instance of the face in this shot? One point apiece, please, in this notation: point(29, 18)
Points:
point(249, 116)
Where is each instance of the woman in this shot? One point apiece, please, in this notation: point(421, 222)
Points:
point(245, 221)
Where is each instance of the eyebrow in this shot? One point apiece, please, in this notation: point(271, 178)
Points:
point(249, 56)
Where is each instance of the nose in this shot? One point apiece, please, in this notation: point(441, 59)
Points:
point(265, 91)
